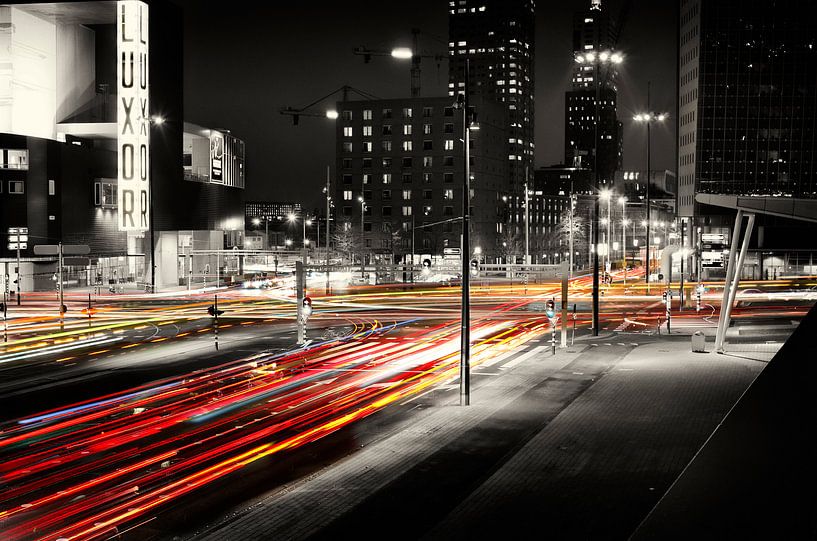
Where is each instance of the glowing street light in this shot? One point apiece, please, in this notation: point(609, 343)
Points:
point(331, 114)
point(402, 53)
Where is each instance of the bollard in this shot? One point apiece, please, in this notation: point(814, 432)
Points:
point(698, 342)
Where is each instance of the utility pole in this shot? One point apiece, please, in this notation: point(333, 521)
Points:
point(59, 262)
point(594, 234)
point(465, 346)
point(570, 233)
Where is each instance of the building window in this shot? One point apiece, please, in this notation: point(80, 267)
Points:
point(367, 195)
point(347, 179)
point(407, 194)
point(347, 115)
point(428, 145)
point(407, 161)
point(449, 111)
point(448, 211)
point(386, 129)
point(386, 195)
point(449, 144)
point(386, 146)
point(347, 131)
point(407, 129)
point(347, 146)
point(367, 178)
point(426, 129)
point(347, 211)
point(448, 160)
point(407, 178)
point(367, 146)
point(427, 161)
point(386, 113)
point(16, 187)
point(386, 162)
point(367, 163)
point(367, 114)
point(428, 178)
point(427, 210)
point(448, 177)
point(52, 187)
point(427, 194)
point(367, 227)
point(105, 194)
point(14, 159)
point(407, 210)
point(428, 112)
point(448, 128)
point(448, 227)
point(407, 112)
point(347, 195)
point(448, 193)
point(386, 178)
point(386, 212)
point(407, 146)
point(367, 131)
point(347, 163)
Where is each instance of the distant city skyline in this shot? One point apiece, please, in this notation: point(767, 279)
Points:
point(286, 162)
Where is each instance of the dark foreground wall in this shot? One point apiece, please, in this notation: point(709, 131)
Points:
point(756, 477)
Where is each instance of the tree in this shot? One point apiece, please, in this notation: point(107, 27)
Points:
point(509, 245)
point(345, 239)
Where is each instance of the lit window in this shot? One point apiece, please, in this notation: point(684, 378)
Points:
point(105, 194)
point(407, 146)
point(367, 114)
point(428, 161)
point(386, 146)
point(367, 146)
point(386, 178)
point(407, 129)
point(407, 194)
point(347, 131)
point(426, 129)
point(449, 144)
point(407, 112)
point(448, 193)
point(347, 147)
point(347, 195)
point(407, 211)
point(52, 187)
point(367, 131)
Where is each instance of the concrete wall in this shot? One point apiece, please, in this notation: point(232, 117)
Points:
point(76, 73)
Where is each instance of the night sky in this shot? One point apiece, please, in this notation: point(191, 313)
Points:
point(244, 61)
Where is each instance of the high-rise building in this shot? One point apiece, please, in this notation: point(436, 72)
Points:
point(747, 99)
point(747, 112)
point(497, 36)
point(594, 77)
point(400, 168)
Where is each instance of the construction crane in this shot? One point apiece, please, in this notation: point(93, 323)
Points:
point(345, 90)
point(404, 53)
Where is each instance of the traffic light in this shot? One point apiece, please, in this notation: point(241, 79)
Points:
point(306, 307)
point(550, 309)
point(213, 312)
point(474, 268)
point(426, 266)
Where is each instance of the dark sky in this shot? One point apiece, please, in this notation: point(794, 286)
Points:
point(244, 61)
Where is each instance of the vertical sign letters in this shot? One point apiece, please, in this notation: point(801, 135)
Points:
point(133, 116)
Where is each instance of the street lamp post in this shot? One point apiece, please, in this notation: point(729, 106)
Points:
point(603, 58)
point(623, 201)
point(362, 213)
point(648, 118)
point(465, 336)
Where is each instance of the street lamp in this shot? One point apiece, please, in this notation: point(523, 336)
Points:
point(607, 196)
point(362, 213)
point(602, 59)
point(648, 119)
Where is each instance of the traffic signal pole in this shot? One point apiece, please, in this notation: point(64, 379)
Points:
point(215, 319)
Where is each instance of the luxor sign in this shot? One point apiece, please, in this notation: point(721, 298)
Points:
point(133, 116)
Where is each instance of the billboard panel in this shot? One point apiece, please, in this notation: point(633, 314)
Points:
point(216, 157)
point(132, 116)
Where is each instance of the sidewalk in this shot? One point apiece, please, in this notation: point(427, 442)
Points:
point(574, 446)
